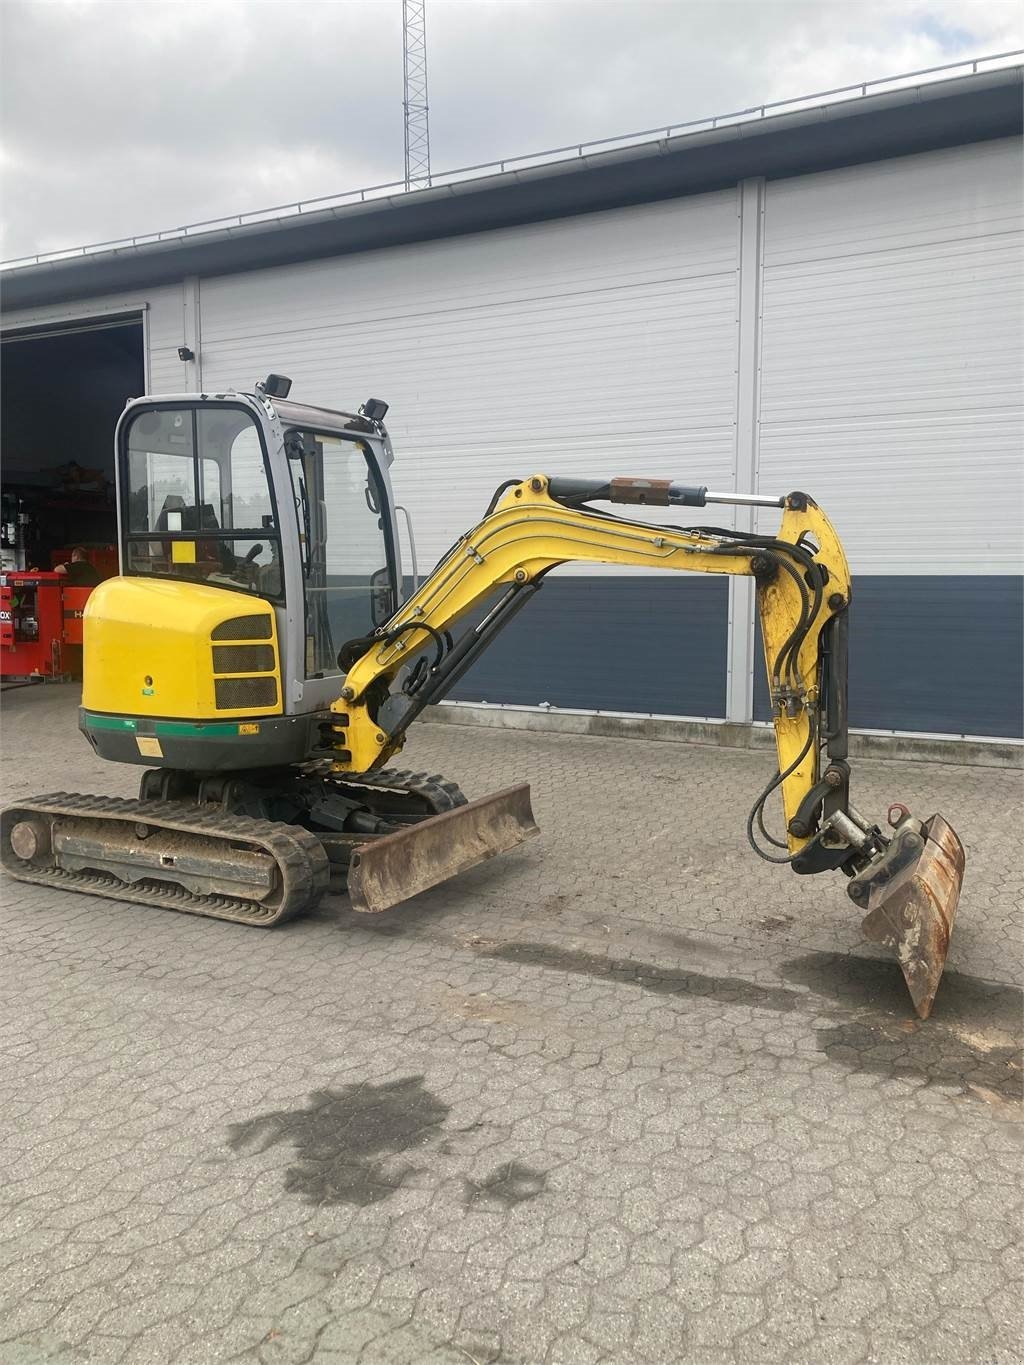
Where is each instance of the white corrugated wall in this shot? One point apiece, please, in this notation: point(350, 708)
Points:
point(892, 356)
point(892, 388)
point(597, 345)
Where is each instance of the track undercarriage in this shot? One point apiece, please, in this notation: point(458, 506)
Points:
point(261, 847)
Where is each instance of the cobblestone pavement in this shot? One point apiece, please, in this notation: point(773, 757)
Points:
point(625, 1095)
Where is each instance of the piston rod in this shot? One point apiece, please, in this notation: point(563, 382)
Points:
point(745, 499)
point(653, 493)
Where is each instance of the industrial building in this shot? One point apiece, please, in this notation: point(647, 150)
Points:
point(824, 297)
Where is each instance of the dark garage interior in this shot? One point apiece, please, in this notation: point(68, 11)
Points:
point(61, 393)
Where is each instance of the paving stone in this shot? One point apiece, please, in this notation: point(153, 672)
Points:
point(626, 1094)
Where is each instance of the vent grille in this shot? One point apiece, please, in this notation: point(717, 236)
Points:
point(244, 628)
point(234, 693)
point(243, 659)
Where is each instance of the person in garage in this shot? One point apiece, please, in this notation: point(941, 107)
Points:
point(78, 571)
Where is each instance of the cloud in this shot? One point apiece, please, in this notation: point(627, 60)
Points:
point(122, 118)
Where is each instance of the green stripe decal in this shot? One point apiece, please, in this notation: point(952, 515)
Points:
point(180, 728)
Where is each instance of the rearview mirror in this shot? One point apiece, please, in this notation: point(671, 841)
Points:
point(276, 386)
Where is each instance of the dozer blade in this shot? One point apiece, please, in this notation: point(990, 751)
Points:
point(912, 903)
point(384, 871)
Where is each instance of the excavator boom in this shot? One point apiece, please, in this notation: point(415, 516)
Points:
point(909, 883)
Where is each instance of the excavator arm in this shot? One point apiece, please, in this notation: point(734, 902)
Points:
point(908, 880)
point(803, 590)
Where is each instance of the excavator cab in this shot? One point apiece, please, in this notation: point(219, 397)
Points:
point(258, 540)
point(257, 537)
point(257, 658)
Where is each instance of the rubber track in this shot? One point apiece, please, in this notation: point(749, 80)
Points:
point(300, 858)
point(438, 793)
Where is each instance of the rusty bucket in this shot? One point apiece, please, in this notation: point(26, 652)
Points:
point(912, 904)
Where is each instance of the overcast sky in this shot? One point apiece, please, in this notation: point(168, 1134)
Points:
point(127, 116)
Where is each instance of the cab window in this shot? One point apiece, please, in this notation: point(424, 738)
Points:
point(197, 501)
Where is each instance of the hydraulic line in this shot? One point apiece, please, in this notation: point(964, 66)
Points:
point(779, 843)
point(780, 552)
point(789, 651)
point(777, 781)
point(353, 649)
point(501, 488)
point(389, 637)
point(495, 499)
point(793, 559)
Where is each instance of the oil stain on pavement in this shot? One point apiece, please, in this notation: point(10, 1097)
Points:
point(343, 1139)
point(971, 1042)
point(648, 976)
point(511, 1183)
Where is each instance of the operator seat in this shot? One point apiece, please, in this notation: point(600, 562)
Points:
point(173, 502)
point(202, 518)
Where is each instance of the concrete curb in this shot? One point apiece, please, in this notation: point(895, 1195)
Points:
point(726, 734)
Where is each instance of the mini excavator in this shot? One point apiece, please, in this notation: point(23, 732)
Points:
point(256, 657)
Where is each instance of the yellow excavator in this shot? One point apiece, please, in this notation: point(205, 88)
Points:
point(253, 655)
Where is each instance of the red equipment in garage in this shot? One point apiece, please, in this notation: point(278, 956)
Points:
point(74, 604)
point(40, 616)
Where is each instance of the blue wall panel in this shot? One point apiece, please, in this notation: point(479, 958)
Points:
point(612, 644)
point(940, 654)
point(927, 653)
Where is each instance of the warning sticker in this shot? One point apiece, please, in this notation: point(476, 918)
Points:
point(149, 746)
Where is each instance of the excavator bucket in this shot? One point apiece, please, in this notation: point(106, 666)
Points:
point(384, 871)
point(912, 910)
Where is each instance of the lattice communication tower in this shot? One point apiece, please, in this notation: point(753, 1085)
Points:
point(417, 122)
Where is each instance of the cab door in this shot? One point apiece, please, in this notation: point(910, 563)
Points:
point(346, 532)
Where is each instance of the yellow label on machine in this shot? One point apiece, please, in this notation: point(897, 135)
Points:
point(183, 552)
point(248, 729)
point(149, 746)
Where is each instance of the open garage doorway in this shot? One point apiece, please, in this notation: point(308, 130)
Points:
point(62, 390)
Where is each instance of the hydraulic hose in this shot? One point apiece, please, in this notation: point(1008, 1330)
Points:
point(777, 781)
